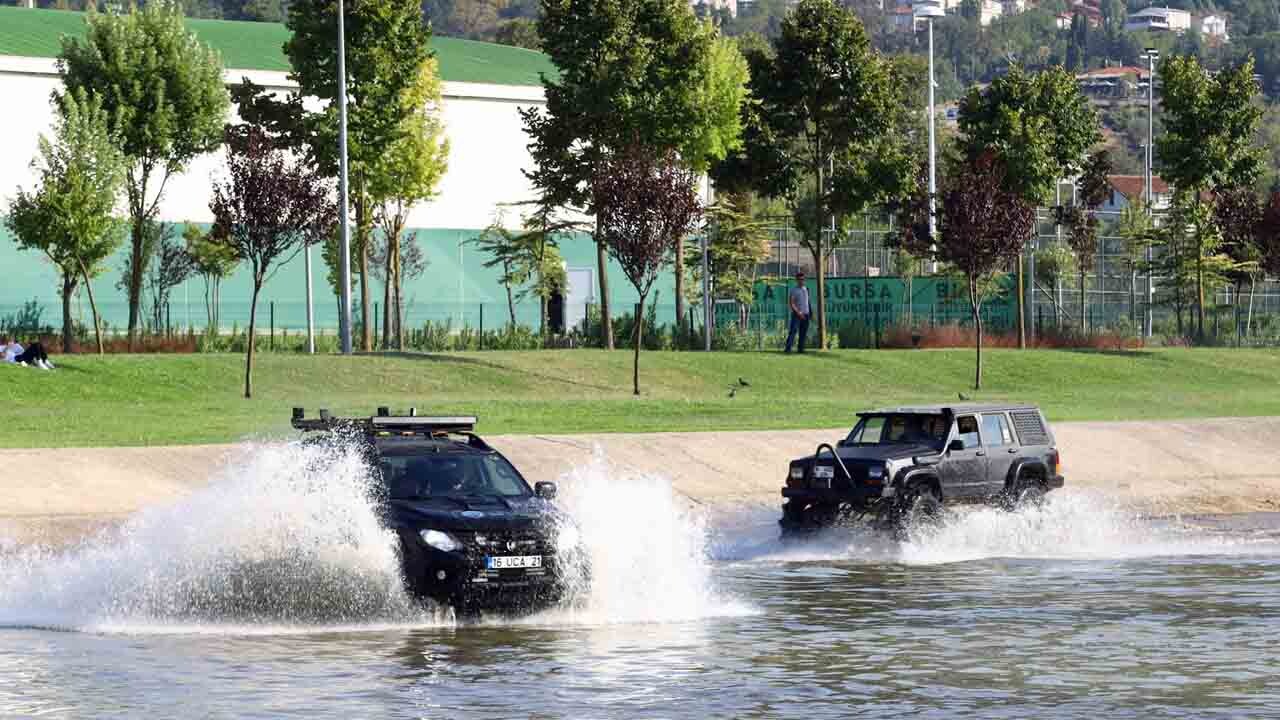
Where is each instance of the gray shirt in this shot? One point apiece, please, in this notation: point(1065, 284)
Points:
point(799, 299)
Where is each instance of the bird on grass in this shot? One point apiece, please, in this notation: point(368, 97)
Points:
point(743, 383)
point(963, 397)
point(733, 392)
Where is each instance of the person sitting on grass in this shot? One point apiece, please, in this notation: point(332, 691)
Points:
point(33, 355)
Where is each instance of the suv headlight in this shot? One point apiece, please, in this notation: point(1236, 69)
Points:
point(797, 472)
point(568, 538)
point(440, 540)
point(876, 472)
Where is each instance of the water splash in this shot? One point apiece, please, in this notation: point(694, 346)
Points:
point(648, 550)
point(285, 536)
point(1071, 525)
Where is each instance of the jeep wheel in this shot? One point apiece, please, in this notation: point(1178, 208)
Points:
point(1030, 494)
point(919, 506)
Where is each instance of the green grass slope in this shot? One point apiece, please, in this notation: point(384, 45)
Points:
point(259, 46)
point(143, 400)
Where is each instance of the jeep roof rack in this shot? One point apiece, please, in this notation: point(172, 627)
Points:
point(385, 422)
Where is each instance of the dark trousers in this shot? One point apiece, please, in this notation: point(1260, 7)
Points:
point(799, 325)
point(32, 354)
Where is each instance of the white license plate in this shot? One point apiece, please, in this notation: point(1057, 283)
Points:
point(513, 562)
point(824, 471)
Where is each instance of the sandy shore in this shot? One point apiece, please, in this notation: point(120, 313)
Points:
point(1196, 466)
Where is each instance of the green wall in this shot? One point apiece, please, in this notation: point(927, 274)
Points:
point(453, 288)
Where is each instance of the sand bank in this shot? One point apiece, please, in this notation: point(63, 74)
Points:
point(1195, 466)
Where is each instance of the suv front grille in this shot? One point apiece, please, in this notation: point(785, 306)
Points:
point(506, 543)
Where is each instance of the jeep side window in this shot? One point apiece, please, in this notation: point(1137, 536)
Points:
point(967, 431)
point(995, 430)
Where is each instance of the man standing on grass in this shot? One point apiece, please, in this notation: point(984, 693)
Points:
point(798, 301)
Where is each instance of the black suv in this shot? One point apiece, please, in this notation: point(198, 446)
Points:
point(900, 464)
point(473, 534)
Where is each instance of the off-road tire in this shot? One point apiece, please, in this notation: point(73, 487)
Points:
point(1030, 494)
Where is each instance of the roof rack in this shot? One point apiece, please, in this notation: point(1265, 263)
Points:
point(385, 422)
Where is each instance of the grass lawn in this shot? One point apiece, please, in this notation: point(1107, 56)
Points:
point(178, 399)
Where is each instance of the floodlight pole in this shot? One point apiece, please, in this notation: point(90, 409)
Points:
point(708, 313)
point(933, 146)
point(344, 237)
point(1151, 54)
point(311, 325)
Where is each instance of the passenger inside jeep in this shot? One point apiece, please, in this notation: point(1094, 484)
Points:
point(905, 429)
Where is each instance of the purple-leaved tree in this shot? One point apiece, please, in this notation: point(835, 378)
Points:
point(645, 203)
point(270, 207)
point(982, 226)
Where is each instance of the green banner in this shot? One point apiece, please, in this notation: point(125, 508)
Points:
point(881, 301)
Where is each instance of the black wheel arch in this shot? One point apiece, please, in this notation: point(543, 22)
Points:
point(915, 476)
point(1025, 468)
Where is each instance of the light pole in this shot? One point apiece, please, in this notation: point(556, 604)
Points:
point(1152, 55)
point(344, 236)
point(930, 9)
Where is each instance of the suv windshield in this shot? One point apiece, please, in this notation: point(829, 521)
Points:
point(457, 475)
point(900, 429)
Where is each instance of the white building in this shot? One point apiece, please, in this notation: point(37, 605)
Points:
point(1214, 26)
point(1127, 188)
point(1013, 7)
point(1159, 20)
point(730, 5)
point(485, 87)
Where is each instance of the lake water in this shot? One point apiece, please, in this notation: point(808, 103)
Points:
point(273, 594)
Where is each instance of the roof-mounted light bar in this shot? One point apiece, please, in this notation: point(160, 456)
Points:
point(383, 420)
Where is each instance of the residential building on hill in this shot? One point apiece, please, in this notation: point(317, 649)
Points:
point(1127, 188)
point(1155, 19)
point(1214, 26)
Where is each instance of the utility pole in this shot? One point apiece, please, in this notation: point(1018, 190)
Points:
point(311, 325)
point(344, 237)
point(930, 9)
point(708, 313)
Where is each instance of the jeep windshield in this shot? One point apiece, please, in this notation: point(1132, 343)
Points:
point(450, 475)
point(900, 429)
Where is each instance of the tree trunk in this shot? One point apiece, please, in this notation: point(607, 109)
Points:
point(1022, 308)
point(639, 334)
point(248, 358)
point(511, 301)
point(1084, 305)
point(387, 292)
point(602, 262)
point(542, 317)
point(1248, 323)
point(68, 289)
point(976, 306)
point(681, 320)
point(137, 240)
point(362, 240)
point(93, 308)
point(1199, 281)
point(1133, 298)
point(399, 314)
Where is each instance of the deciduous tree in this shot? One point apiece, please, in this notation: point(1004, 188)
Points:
point(214, 262)
point(1040, 126)
point(70, 216)
point(163, 91)
point(1210, 123)
point(983, 226)
point(268, 209)
point(646, 203)
point(407, 174)
point(632, 72)
point(821, 99)
point(170, 268)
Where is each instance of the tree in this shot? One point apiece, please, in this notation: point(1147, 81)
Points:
point(823, 98)
point(646, 203)
point(163, 92)
point(983, 225)
point(519, 32)
point(387, 49)
point(171, 267)
point(529, 259)
point(70, 216)
point(1040, 126)
point(1136, 227)
point(408, 173)
point(1082, 223)
point(269, 208)
point(1183, 266)
point(1239, 217)
point(509, 254)
point(214, 262)
point(1269, 237)
point(1210, 123)
point(632, 72)
point(736, 246)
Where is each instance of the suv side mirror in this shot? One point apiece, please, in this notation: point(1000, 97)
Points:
point(545, 490)
point(955, 446)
